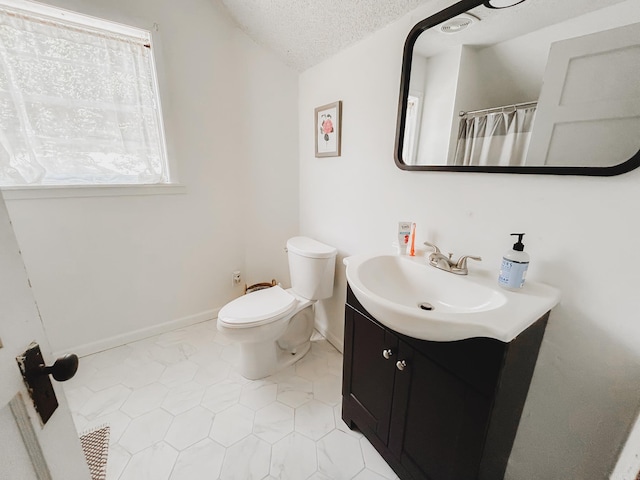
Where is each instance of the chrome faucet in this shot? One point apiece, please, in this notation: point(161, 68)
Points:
point(439, 260)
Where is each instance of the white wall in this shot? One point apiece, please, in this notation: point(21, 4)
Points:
point(108, 269)
point(581, 235)
point(438, 111)
point(270, 126)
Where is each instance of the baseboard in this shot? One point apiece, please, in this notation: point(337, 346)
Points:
point(331, 337)
point(628, 464)
point(118, 340)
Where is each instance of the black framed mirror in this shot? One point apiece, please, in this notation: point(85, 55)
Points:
point(540, 87)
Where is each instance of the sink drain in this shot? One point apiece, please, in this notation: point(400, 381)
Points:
point(426, 306)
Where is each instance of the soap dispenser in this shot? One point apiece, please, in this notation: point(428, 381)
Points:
point(514, 266)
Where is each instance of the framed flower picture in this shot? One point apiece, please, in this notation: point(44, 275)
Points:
point(328, 125)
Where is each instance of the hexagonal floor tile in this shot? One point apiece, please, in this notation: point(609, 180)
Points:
point(367, 474)
point(183, 398)
point(319, 476)
point(117, 460)
point(314, 419)
point(312, 366)
point(195, 335)
point(339, 456)
point(189, 427)
point(340, 425)
point(374, 461)
point(215, 371)
point(206, 355)
point(232, 425)
point(201, 419)
point(141, 372)
point(295, 391)
point(77, 396)
point(258, 394)
point(328, 389)
point(293, 457)
point(169, 355)
point(144, 399)
point(106, 377)
point(118, 423)
point(221, 396)
point(273, 422)
point(146, 430)
point(247, 459)
point(105, 402)
point(108, 357)
point(178, 373)
point(202, 460)
point(155, 462)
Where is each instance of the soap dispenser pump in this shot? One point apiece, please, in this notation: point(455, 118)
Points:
point(515, 263)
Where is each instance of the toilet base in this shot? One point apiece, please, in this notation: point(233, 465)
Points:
point(289, 358)
point(259, 360)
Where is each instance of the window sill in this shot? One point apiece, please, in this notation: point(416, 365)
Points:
point(72, 191)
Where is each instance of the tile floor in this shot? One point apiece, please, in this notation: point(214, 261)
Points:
point(178, 410)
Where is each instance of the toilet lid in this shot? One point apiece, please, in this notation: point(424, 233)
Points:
point(257, 308)
point(308, 247)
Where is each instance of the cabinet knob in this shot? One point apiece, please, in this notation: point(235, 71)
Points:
point(387, 353)
point(401, 365)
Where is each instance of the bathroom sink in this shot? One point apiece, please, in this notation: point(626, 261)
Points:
point(418, 300)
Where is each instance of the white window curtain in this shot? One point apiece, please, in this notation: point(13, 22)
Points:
point(78, 105)
point(498, 138)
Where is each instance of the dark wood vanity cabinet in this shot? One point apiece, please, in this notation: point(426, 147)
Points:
point(436, 410)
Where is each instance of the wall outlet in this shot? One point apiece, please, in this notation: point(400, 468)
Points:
point(235, 278)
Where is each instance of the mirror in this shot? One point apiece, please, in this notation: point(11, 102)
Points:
point(540, 87)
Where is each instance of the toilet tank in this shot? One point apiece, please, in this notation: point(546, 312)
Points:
point(312, 267)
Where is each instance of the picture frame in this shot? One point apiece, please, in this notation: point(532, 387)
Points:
point(328, 128)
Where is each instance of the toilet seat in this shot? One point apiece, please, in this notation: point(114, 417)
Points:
point(257, 308)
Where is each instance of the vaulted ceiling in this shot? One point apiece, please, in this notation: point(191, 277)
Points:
point(305, 32)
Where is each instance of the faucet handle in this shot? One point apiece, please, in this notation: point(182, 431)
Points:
point(462, 261)
point(435, 248)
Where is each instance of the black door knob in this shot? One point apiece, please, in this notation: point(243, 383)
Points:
point(36, 373)
point(63, 368)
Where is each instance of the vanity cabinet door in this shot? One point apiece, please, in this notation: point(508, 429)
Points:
point(368, 374)
point(438, 422)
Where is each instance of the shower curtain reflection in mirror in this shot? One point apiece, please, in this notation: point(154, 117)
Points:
point(495, 138)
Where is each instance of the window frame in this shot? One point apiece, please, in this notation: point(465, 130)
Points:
point(171, 185)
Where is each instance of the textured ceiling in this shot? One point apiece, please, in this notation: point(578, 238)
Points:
point(305, 32)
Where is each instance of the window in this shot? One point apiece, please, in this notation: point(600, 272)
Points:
point(79, 101)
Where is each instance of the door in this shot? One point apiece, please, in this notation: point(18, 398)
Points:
point(590, 89)
point(369, 352)
point(28, 449)
point(438, 422)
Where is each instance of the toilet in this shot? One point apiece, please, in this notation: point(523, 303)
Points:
point(273, 326)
